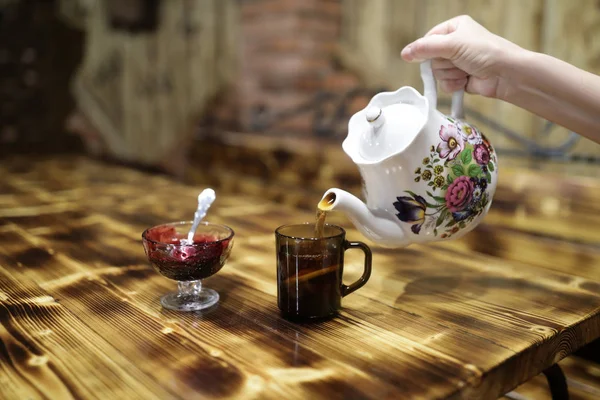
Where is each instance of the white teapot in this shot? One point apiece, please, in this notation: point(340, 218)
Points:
point(426, 176)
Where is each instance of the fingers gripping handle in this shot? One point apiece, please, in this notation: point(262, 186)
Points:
point(430, 92)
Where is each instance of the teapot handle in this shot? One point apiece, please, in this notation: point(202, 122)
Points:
point(430, 92)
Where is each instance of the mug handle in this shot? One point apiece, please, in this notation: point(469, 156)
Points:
point(430, 92)
point(346, 290)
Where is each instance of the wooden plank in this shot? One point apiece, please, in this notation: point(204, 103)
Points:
point(472, 318)
point(81, 289)
point(144, 92)
point(569, 31)
point(79, 303)
point(14, 385)
point(518, 321)
point(71, 282)
point(508, 243)
point(374, 33)
point(372, 316)
point(403, 278)
point(55, 354)
point(332, 338)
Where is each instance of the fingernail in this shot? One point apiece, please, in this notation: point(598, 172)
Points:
point(408, 55)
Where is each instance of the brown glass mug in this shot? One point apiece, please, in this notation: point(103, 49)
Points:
point(310, 270)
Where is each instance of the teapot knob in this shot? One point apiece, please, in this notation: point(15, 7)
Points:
point(375, 116)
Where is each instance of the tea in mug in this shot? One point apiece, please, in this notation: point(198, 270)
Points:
point(309, 277)
point(310, 269)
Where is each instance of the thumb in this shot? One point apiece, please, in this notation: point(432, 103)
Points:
point(428, 47)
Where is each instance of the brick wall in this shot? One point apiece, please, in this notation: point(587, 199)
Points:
point(286, 56)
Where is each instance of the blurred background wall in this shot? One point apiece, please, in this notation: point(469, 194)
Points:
point(38, 55)
point(263, 88)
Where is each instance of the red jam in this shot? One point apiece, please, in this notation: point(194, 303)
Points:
point(185, 263)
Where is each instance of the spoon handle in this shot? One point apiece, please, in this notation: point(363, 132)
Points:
point(205, 200)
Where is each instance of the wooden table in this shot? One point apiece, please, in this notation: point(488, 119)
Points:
point(473, 318)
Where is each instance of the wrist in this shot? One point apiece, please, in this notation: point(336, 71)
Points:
point(513, 72)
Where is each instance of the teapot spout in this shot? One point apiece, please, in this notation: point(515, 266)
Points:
point(378, 229)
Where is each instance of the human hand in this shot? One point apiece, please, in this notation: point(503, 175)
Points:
point(465, 55)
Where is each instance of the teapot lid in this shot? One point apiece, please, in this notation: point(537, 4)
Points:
point(386, 126)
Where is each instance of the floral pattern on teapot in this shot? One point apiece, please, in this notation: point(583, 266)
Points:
point(459, 167)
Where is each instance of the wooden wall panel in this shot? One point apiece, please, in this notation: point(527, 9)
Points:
point(571, 32)
point(380, 29)
point(519, 22)
point(144, 93)
point(373, 34)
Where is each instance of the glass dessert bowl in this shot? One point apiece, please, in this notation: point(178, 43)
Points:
point(187, 263)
